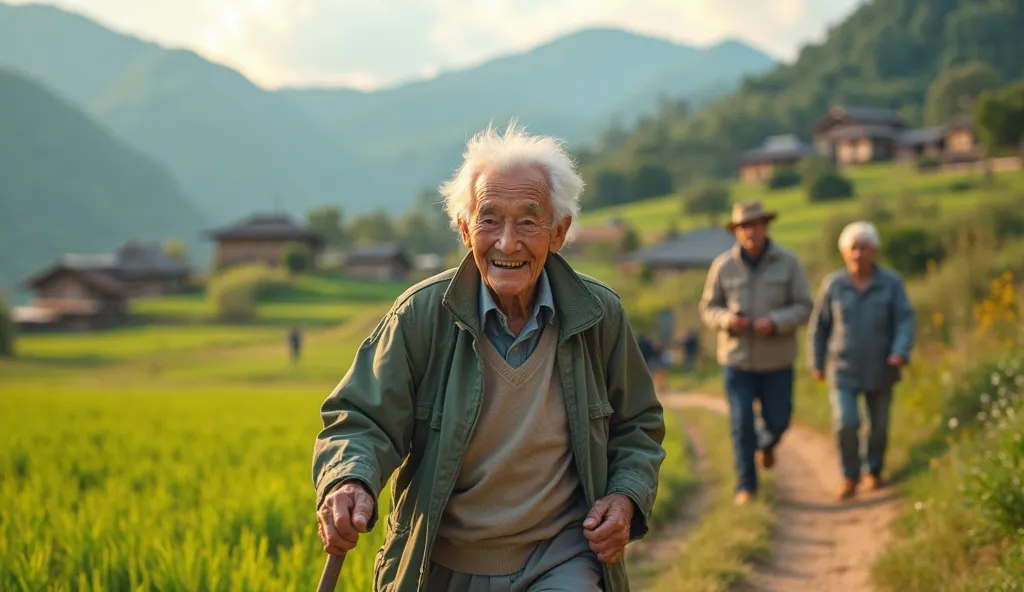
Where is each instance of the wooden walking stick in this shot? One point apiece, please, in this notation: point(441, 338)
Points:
point(329, 577)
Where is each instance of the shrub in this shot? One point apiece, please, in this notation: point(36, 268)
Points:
point(707, 196)
point(295, 258)
point(7, 329)
point(828, 185)
point(630, 241)
point(783, 179)
point(909, 248)
point(927, 162)
point(234, 293)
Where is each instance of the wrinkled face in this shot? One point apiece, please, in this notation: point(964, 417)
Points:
point(859, 256)
point(751, 236)
point(511, 231)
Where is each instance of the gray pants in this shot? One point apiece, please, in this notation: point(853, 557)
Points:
point(564, 563)
point(846, 418)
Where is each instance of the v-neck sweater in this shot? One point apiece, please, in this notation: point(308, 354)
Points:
point(518, 485)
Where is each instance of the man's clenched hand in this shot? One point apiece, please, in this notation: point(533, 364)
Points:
point(607, 527)
point(344, 514)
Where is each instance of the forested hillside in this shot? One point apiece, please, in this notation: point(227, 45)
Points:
point(235, 146)
point(66, 185)
point(886, 54)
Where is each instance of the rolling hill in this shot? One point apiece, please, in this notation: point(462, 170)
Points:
point(235, 146)
point(886, 54)
point(67, 185)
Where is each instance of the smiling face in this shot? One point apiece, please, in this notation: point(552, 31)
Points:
point(511, 233)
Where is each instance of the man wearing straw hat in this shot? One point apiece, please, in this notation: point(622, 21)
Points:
point(756, 296)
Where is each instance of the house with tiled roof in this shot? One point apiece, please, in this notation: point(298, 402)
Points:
point(261, 238)
point(778, 152)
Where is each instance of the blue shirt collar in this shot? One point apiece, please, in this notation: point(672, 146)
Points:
point(543, 300)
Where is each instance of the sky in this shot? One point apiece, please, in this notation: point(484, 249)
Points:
point(375, 43)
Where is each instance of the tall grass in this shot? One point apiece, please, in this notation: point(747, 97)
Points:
point(160, 489)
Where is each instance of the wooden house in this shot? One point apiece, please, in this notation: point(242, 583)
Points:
point(776, 153)
point(387, 261)
point(261, 238)
point(695, 249)
point(858, 135)
point(603, 239)
point(953, 143)
point(76, 298)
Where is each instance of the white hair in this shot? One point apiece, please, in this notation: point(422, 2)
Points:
point(515, 148)
point(859, 231)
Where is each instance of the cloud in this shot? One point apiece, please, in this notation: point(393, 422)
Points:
point(288, 42)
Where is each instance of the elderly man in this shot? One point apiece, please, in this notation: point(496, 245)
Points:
point(862, 327)
point(756, 296)
point(511, 395)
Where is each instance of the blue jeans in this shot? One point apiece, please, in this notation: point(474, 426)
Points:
point(846, 418)
point(775, 391)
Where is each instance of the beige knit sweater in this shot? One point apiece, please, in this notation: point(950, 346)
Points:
point(518, 484)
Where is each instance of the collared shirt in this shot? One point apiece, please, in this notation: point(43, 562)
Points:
point(753, 261)
point(517, 348)
point(852, 332)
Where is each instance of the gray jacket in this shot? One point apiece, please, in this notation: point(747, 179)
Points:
point(776, 289)
point(854, 332)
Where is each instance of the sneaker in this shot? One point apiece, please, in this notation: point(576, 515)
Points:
point(743, 497)
point(874, 482)
point(848, 489)
point(767, 457)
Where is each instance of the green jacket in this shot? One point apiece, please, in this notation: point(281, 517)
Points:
point(411, 398)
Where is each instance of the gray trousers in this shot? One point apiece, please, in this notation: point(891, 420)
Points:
point(564, 563)
point(846, 418)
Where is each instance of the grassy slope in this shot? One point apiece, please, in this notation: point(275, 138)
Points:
point(799, 221)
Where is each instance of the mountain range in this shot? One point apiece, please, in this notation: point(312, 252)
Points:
point(235, 147)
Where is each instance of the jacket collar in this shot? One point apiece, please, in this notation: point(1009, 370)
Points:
point(577, 308)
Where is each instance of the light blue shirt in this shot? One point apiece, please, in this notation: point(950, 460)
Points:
point(517, 348)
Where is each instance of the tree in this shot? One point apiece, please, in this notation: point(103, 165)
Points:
point(176, 249)
point(650, 180)
point(295, 258)
point(999, 119)
point(328, 223)
point(610, 188)
point(7, 329)
point(372, 228)
point(707, 196)
point(955, 90)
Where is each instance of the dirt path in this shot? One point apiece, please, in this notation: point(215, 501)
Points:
point(649, 557)
point(818, 543)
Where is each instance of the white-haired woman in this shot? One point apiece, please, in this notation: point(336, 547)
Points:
point(860, 335)
point(509, 393)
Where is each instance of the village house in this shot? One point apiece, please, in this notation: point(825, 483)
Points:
point(606, 238)
point(261, 238)
point(387, 261)
point(693, 250)
point(950, 144)
point(782, 152)
point(68, 297)
point(93, 289)
point(858, 135)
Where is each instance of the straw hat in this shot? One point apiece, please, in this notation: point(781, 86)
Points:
point(749, 211)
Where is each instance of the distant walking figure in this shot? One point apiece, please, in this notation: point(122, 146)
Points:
point(862, 328)
point(691, 347)
point(756, 296)
point(295, 343)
